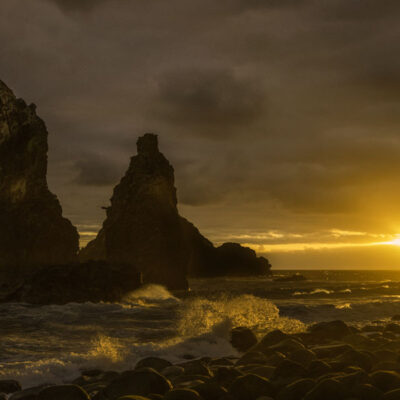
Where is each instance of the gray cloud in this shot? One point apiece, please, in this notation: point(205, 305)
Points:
point(276, 114)
point(77, 5)
point(96, 170)
point(213, 102)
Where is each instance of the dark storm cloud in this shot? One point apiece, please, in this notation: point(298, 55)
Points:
point(97, 170)
point(230, 6)
point(80, 5)
point(359, 9)
point(276, 114)
point(209, 101)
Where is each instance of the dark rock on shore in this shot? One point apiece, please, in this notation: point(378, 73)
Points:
point(211, 391)
point(63, 392)
point(392, 395)
point(182, 394)
point(328, 389)
point(334, 373)
point(330, 330)
point(386, 380)
point(243, 338)
point(140, 382)
point(159, 364)
point(272, 338)
point(33, 232)
point(251, 387)
point(91, 281)
point(366, 391)
point(225, 376)
point(9, 386)
point(28, 394)
point(296, 390)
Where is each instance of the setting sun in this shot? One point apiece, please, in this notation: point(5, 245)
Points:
point(396, 241)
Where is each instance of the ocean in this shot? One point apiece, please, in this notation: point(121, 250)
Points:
point(52, 344)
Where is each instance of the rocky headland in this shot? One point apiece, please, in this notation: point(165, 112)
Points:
point(328, 361)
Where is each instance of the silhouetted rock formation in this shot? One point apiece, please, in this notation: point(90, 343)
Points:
point(143, 228)
point(229, 259)
point(236, 260)
point(33, 232)
point(92, 281)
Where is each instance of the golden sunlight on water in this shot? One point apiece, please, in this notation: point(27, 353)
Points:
point(200, 315)
point(105, 348)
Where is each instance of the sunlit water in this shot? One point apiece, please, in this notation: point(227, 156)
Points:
point(52, 343)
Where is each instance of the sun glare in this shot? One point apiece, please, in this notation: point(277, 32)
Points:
point(396, 241)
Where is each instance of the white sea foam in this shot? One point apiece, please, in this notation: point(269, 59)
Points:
point(150, 293)
point(313, 292)
point(321, 291)
point(199, 315)
point(344, 306)
point(201, 328)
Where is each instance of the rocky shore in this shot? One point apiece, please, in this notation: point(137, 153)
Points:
point(329, 361)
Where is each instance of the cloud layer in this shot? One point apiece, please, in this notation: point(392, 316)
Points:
point(276, 114)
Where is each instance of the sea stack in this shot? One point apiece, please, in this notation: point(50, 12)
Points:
point(143, 227)
point(33, 232)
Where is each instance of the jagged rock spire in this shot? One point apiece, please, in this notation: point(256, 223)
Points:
point(143, 227)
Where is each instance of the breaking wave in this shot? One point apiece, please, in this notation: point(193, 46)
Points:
point(354, 311)
point(151, 321)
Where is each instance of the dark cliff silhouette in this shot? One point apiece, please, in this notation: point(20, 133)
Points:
point(33, 232)
point(143, 228)
point(143, 238)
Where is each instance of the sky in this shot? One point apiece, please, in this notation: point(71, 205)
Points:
point(280, 117)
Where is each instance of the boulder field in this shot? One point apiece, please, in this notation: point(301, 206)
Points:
point(328, 361)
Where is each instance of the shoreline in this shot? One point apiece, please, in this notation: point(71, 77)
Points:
point(329, 360)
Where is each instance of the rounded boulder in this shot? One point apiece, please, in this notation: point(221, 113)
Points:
point(242, 338)
point(9, 386)
point(327, 389)
point(153, 362)
point(296, 390)
point(182, 394)
point(366, 391)
point(63, 392)
point(251, 387)
point(140, 382)
point(392, 395)
point(385, 380)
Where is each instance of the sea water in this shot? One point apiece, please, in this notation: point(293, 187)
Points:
point(52, 344)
